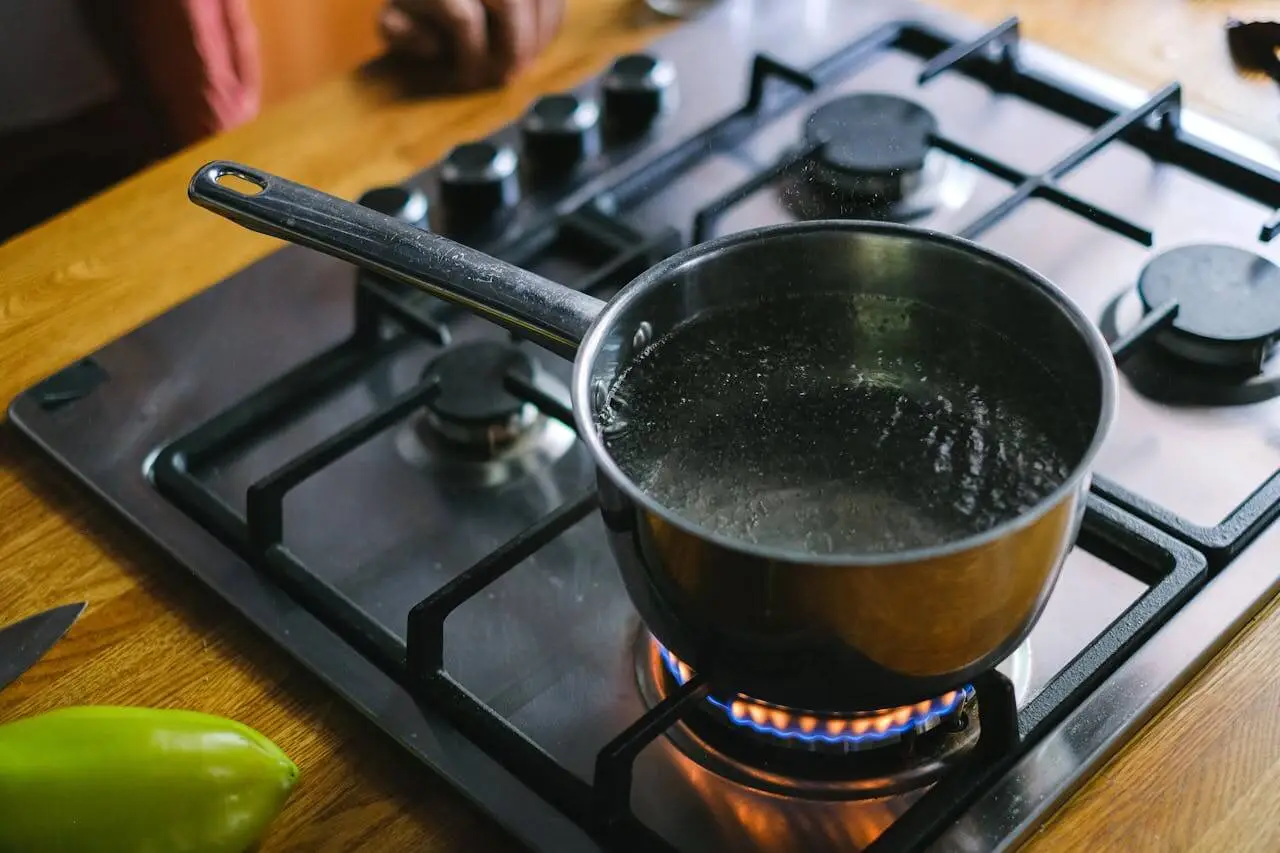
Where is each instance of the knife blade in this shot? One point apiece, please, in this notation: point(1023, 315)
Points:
point(23, 643)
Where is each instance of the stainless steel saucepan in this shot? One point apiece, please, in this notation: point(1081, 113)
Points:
point(841, 463)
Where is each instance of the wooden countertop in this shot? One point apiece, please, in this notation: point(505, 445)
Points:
point(152, 637)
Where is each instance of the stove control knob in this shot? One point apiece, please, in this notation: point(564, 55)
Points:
point(407, 205)
point(560, 131)
point(638, 88)
point(478, 181)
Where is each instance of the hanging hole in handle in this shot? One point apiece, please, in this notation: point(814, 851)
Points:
point(239, 183)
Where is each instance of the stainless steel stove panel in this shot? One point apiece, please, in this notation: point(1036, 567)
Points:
point(549, 646)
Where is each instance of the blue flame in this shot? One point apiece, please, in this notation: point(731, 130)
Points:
point(918, 719)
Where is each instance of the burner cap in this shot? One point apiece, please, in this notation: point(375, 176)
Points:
point(473, 406)
point(872, 135)
point(1228, 303)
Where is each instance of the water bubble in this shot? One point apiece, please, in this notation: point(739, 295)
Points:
point(858, 425)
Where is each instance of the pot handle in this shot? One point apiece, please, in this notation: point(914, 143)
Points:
point(550, 314)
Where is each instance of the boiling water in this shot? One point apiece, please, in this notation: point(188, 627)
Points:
point(841, 424)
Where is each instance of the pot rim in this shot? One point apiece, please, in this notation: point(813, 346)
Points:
point(662, 272)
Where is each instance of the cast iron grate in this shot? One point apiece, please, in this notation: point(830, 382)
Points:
point(388, 317)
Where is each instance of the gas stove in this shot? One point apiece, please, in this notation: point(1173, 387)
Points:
point(391, 488)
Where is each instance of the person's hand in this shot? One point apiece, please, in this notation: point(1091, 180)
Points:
point(487, 41)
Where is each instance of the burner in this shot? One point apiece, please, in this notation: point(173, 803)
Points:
point(474, 409)
point(475, 430)
point(1228, 304)
point(1159, 375)
point(821, 756)
point(874, 146)
point(876, 162)
point(831, 733)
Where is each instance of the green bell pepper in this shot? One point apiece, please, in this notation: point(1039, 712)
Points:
point(137, 780)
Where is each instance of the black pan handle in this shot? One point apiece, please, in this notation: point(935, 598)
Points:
point(550, 314)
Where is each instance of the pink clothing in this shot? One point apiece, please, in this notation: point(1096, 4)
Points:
point(121, 84)
point(200, 63)
point(195, 61)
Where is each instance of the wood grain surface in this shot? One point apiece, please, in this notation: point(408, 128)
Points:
point(1205, 776)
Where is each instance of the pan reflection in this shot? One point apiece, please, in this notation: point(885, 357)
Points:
point(751, 820)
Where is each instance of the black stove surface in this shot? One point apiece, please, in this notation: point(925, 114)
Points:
point(391, 487)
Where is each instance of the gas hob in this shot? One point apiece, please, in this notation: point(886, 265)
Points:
point(391, 488)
